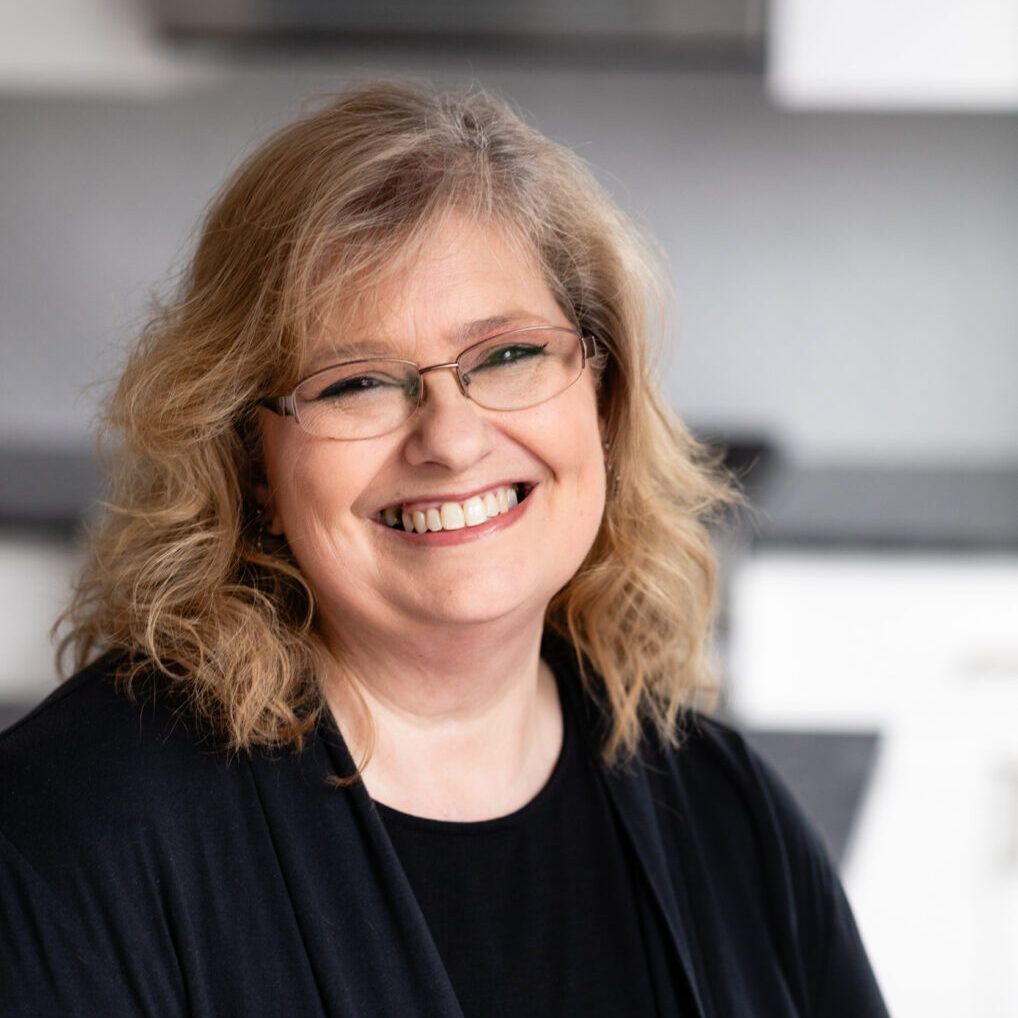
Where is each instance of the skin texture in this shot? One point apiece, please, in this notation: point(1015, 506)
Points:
point(443, 641)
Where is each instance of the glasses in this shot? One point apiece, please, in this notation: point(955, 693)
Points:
point(371, 397)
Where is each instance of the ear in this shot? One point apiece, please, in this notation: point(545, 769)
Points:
point(267, 508)
point(602, 427)
point(261, 489)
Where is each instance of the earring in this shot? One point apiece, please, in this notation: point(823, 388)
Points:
point(614, 476)
point(266, 541)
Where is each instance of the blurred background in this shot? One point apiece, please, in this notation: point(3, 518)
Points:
point(835, 185)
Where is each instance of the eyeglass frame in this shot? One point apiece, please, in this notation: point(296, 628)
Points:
point(286, 405)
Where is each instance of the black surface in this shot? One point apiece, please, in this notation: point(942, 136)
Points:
point(827, 771)
point(10, 712)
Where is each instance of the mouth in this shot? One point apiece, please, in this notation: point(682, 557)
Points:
point(430, 517)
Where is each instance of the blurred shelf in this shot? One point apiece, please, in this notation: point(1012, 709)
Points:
point(47, 491)
point(895, 508)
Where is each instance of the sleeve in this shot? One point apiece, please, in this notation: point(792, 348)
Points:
point(46, 968)
point(839, 978)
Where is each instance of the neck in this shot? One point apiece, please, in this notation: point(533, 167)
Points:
point(465, 720)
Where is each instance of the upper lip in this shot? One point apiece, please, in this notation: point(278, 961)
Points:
point(428, 501)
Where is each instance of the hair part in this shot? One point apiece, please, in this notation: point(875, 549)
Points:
point(177, 577)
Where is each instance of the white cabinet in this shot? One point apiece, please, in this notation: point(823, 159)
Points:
point(923, 648)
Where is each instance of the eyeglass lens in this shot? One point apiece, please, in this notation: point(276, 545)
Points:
point(513, 371)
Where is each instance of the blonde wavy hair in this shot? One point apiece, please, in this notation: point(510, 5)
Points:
point(177, 578)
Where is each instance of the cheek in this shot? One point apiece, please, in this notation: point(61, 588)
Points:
point(591, 495)
point(582, 456)
point(573, 451)
point(309, 484)
point(591, 479)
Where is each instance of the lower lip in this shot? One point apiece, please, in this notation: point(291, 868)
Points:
point(445, 538)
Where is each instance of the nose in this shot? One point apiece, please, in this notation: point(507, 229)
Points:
point(448, 429)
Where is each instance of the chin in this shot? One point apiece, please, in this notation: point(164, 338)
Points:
point(484, 600)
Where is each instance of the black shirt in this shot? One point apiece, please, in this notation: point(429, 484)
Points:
point(542, 912)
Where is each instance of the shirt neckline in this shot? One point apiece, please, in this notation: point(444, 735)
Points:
point(508, 820)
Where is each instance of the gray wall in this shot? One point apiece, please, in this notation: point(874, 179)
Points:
point(845, 281)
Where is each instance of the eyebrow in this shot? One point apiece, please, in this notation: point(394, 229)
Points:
point(465, 336)
point(492, 326)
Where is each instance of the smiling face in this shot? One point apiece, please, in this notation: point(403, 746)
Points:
point(336, 500)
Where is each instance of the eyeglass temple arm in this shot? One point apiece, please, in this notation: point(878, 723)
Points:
point(589, 344)
point(282, 405)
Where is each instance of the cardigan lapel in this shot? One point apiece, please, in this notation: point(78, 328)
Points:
point(633, 800)
point(433, 988)
point(367, 941)
point(631, 796)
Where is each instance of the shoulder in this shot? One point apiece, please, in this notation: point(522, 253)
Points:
point(707, 769)
point(90, 719)
point(115, 815)
point(752, 851)
point(719, 750)
point(90, 759)
point(733, 790)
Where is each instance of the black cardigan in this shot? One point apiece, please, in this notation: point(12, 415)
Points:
point(143, 872)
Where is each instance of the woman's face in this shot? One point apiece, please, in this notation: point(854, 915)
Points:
point(329, 496)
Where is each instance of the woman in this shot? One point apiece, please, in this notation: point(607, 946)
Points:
point(392, 638)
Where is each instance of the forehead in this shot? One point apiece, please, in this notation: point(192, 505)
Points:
point(463, 282)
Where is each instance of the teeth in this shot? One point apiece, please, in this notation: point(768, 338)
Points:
point(454, 515)
point(474, 511)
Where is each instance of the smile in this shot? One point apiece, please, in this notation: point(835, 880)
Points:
point(422, 518)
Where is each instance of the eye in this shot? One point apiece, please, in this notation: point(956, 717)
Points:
point(358, 387)
point(508, 354)
point(349, 387)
